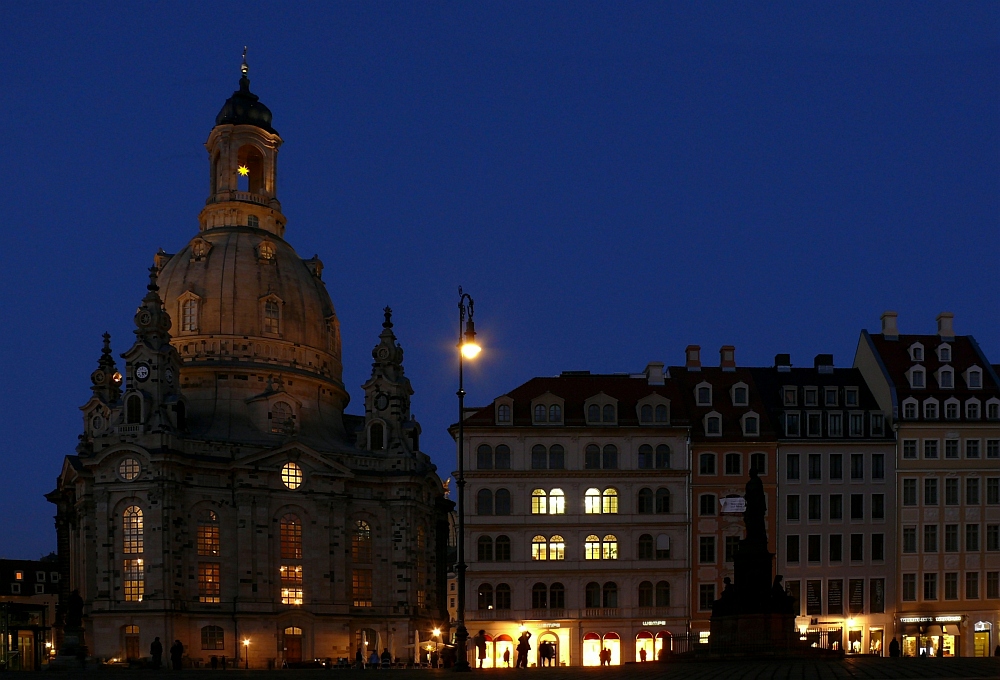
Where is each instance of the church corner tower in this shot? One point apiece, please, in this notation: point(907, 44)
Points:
point(218, 492)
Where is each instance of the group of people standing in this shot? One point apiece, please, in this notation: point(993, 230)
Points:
point(546, 651)
point(176, 654)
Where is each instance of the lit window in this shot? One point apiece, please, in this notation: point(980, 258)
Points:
point(133, 580)
point(291, 538)
point(291, 596)
point(128, 469)
point(208, 535)
point(272, 317)
point(209, 584)
point(538, 504)
point(212, 637)
point(132, 531)
point(266, 251)
point(291, 474)
point(282, 420)
point(539, 548)
point(610, 505)
point(189, 316)
point(557, 548)
point(361, 543)
point(592, 548)
point(592, 502)
point(609, 547)
point(361, 587)
point(557, 502)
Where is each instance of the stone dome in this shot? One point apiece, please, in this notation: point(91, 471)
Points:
point(255, 301)
point(245, 108)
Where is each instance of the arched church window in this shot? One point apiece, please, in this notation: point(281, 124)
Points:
point(208, 534)
point(133, 409)
point(281, 418)
point(189, 316)
point(291, 537)
point(376, 437)
point(272, 317)
point(132, 530)
point(250, 169)
point(361, 543)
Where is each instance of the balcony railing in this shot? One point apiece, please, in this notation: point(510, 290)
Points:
point(600, 613)
point(129, 429)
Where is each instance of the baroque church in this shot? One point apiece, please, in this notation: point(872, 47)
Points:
point(219, 494)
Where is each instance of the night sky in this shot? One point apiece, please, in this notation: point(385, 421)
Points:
point(611, 182)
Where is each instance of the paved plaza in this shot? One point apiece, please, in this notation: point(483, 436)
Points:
point(844, 669)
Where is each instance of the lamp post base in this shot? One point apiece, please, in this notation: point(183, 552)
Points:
point(462, 649)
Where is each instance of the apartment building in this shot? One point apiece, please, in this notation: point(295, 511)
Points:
point(577, 517)
point(836, 502)
point(943, 398)
point(730, 435)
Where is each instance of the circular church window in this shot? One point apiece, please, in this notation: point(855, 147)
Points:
point(129, 469)
point(291, 476)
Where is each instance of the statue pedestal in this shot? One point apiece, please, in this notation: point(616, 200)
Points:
point(73, 651)
point(754, 634)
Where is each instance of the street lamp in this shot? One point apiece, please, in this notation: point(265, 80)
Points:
point(468, 348)
point(246, 653)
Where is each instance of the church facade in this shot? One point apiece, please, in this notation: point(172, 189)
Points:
point(219, 494)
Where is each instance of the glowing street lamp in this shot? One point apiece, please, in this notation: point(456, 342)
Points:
point(246, 652)
point(468, 348)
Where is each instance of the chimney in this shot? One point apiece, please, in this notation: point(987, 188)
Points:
point(945, 328)
point(889, 328)
point(783, 363)
point(693, 355)
point(654, 373)
point(727, 358)
point(823, 363)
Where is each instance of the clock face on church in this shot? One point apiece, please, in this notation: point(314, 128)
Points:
point(142, 372)
point(381, 401)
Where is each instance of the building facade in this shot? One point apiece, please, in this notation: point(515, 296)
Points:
point(943, 398)
point(577, 518)
point(220, 495)
point(836, 506)
point(29, 594)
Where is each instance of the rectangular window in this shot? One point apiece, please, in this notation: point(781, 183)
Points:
point(878, 506)
point(951, 491)
point(815, 466)
point(814, 424)
point(792, 466)
point(972, 537)
point(792, 549)
point(815, 507)
point(792, 424)
point(878, 423)
point(930, 448)
point(811, 396)
point(815, 547)
point(792, 508)
point(972, 448)
point(814, 598)
point(878, 547)
point(951, 585)
point(931, 537)
point(133, 580)
point(876, 595)
point(208, 539)
point(706, 549)
point(836, 423)
point(857, 547)
point(857, 424)
point(706, 596)
point(836, 506)
point(878, 466)
point(539, 458)
point(836, 466)
point(951, 448)
point(836, 548)
point(993, 491)
point(972, 491)
point(909, 492)
point(857, 466)
point(361, 587)
point(930, 491)
point(993, 585)
point(993, 537)
point(909, 539)
point(857, 506)
point(909, 587)
point(732, 543)
point(209, 582)
point(909, 448)
point(835, 596)
point(950, 537)
point(930, 587)
point(972, 585)
point(993, 448)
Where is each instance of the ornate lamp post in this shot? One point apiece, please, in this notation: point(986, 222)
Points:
point(467, 349)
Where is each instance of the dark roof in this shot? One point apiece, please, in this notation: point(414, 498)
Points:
point(8, 569)
point(245, 108)
point(721, 382)
point(577, 388)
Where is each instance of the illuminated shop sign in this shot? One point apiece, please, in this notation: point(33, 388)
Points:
point(550, 625)
point(930, 619)
point(654, 623)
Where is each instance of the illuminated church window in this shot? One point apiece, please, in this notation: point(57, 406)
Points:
point(291, 473)
point(128, 469)
point(189, 316)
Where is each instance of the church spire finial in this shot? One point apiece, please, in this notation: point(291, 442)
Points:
point(152, 287)
point(388, 317)
point(244, 69)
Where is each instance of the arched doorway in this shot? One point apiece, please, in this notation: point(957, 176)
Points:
point(503, 650)
point(490, 661)
point(644, 647)
point(552, 643)
point(592, 649)
point(293, 644)
point(613, 643)
point(131, 642)
point(664, 644)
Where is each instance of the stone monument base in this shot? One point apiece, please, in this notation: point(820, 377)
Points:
point(73, 652)
point(755, 634)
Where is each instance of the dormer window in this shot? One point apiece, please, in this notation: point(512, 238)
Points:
point(713, 424)
point(910, 409)
point(751, 425)
point(739, 394)
point(944, 353)
point(951, 409)
point(811, 396)
point(946, 379)
point(593, 413)
point(272, 317)
point(608, 414)
point(503, 414)
point(993, 409)
point(974, 378)
point(830, 395)
point(540, 413)
point(931, 409)
point(646, 414)
point(661, 414)
point(851, 396)
point(199, 249)
point(704, 394)
point(555, 413)
point(917, 352)
point(917, 378)
point(789, 396)
point(972, 409)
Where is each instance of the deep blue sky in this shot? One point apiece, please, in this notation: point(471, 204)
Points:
point(610, 181)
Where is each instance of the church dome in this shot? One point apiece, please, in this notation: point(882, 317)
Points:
point(245, 108)
point(242, 294)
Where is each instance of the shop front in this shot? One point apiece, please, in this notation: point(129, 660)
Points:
point(983, 638)
point(931, 636)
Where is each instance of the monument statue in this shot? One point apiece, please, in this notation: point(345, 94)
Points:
point(756, 509)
